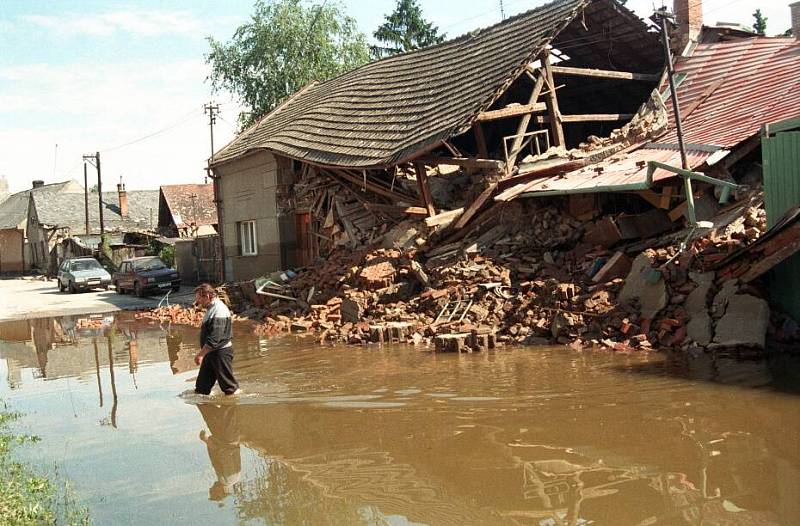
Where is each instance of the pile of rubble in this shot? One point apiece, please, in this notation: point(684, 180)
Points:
point(532, 275)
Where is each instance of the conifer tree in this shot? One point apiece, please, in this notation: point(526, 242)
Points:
point(405, 29)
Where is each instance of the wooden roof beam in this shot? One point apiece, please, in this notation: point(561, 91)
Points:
point(595, 117)
point(464, 162)
point(604, 73)
point(514, 110)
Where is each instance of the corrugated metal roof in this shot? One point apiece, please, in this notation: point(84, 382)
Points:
point(737, 87)
point(627, 172)
point(387, 110)
point(731, 89)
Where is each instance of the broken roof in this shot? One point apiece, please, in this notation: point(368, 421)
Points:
point(190, 204)
point(390, 110)
point(727, 91)
point(66, 210)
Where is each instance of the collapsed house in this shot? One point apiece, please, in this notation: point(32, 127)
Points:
point(525, 182)
point(366, 148)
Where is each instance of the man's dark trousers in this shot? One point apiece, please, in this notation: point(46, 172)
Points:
point(217, 366)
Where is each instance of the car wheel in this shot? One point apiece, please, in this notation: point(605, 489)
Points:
point(119, 288)
point(137, 288)
point(72, 288)
point(105, 287)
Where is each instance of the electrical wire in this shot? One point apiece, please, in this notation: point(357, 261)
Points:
point(186, 117)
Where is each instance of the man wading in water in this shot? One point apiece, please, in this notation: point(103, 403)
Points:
point(216, 349)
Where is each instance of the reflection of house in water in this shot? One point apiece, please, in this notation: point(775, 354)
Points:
point(54, 349)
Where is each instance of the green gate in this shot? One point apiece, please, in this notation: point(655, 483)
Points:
point(780, 147)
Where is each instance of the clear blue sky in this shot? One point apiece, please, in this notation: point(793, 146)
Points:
point(90, 74)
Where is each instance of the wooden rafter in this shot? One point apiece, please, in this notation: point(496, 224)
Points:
point(552, 102)
point(514, 110)
point(592, 117)
point(524, 122)
point(372, 187)
point(604, 73)
point(480, 140)
point(424, 191)
point(465, 162)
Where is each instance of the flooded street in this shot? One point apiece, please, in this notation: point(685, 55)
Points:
point(399, 436)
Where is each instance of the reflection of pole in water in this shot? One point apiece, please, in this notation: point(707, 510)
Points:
point(113, 382)
point(97, 369)
point(133, 359)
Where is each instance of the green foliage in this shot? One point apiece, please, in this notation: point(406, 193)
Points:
point(405, 29)
point(760, 23)
point(25, 497)
point(167, 255)
point(283, 48)
point(164, 251)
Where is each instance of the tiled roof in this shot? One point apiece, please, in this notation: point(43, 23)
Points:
point(385, 111)
point(67, 210)
point(190, 204)
point(14, 210)
point(737, 87)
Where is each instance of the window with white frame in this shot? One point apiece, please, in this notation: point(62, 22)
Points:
point(247, 238)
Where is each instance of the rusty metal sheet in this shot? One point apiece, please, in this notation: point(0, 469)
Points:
point(618, 174)
point(736, 87)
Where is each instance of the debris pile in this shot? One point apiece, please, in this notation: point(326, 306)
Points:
point(532, 274)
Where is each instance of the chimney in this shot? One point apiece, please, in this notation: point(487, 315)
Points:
point(123, 200)
point(38, 183)
point(795, 7)
point(689, 17)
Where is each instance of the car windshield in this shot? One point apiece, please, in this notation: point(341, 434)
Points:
point(149, 264)
point(86, 264)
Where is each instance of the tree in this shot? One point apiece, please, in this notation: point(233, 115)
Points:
point(405, 29)
point(283, 48)
point(760, 24)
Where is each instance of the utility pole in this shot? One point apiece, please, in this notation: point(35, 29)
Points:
point(96, 164)
point(212, 110)
point(663, 14)
point(86, 197)
point(502, 11)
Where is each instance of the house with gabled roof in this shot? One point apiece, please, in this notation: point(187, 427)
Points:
point(15, 249)
point(187, 210)
point(53, 217)
point(480, 103)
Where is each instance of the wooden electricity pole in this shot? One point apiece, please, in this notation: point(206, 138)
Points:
point(96, 163)
point(212, 110)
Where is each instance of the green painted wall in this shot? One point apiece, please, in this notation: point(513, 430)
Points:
point(780, 147)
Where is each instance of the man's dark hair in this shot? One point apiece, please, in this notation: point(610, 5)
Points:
point(206, 290)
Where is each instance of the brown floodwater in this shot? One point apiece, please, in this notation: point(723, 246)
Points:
point(400, 435)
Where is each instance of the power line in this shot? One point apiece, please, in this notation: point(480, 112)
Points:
point(184, 118)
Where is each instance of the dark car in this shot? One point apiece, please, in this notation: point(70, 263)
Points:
point(75, 274)
point(145, 275)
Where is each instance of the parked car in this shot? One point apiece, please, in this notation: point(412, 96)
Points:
point(144, 275)
point(76, 274)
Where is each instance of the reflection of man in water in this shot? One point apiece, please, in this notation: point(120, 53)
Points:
point(223, 447)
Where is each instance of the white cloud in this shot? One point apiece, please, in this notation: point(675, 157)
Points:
point(135, 22)
point(84, 107)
